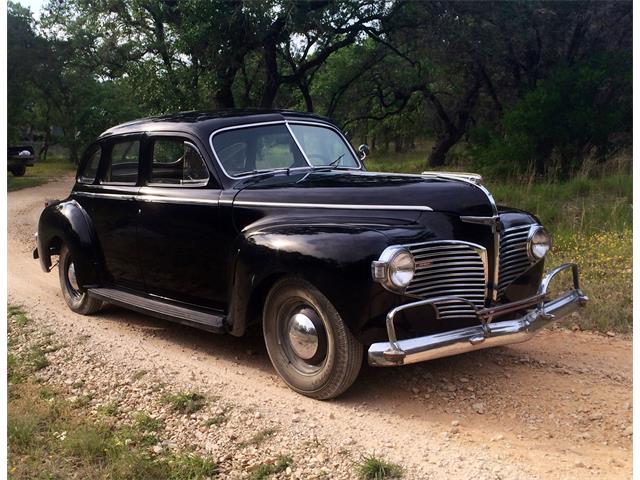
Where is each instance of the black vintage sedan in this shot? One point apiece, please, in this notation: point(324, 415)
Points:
point(230, 219)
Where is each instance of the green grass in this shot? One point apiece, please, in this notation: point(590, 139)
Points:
point(265, 470)
point(41, 173)
point(372, 468)
point(590, 219)
point(145, 422)
point(50, 437)
point(184, 402)
point(17, 314)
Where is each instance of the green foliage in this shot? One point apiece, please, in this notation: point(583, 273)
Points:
point(372, 468)
point(575, 111)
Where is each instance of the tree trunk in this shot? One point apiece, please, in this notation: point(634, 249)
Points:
point(454, 125)
point(439, 150)
point(271, 83)
point(224, 96)
point(304, 89)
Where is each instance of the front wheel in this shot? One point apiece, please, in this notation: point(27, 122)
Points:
point(308, 343)
point(76, 297)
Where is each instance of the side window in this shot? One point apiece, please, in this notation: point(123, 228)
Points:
point(122, 165)
point(90, 169)
point(177, 162)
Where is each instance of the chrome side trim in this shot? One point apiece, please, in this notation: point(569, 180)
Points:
point(191, 200)
point(400, 352)
point(149, 198)
point(181, 200)
point(336, 206)
point(115, 196)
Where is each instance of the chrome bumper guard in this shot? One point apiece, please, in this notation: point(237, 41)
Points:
point(487, 334)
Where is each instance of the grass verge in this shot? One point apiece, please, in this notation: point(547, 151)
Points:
point(41, 173)
point(51, 436)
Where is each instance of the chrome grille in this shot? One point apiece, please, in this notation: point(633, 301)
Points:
point(514, 259)
point(450, 268)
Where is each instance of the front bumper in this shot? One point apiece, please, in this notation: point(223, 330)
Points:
point(487, 334)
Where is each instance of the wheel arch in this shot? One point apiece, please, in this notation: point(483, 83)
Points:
point(334, 259)
point(67, 223)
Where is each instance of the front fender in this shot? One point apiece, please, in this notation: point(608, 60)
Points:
point(67, 223)
point(336, 259)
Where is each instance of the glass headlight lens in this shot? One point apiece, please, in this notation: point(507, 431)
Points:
point(401, 269)
point(539, 243)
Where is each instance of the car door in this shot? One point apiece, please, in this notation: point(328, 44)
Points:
point(110, 201)
point(183, 248)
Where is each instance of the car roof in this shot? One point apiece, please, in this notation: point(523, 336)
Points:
point(205, 122)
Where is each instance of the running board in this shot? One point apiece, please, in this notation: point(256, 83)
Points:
point(161, 309)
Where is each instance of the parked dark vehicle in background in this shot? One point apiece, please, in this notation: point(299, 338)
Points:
point(19, 159)
point(224, 220)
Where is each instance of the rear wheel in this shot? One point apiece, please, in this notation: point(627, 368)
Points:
point(76, 297)
point(309, 345)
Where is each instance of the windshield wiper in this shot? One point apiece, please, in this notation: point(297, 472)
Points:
point(263, 172)
point(336, 161)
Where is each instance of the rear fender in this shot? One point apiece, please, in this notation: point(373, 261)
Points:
point(67, 223)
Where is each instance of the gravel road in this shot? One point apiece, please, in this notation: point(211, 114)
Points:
point(558, 406)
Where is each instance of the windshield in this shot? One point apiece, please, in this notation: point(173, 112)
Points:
point(244, 151)
point(323, 146)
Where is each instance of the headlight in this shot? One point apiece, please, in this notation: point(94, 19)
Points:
point(539, 242)
point(395, 268)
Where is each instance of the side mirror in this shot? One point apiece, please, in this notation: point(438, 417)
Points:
point(364, 151)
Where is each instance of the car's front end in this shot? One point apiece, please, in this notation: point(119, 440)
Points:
point(467, 282)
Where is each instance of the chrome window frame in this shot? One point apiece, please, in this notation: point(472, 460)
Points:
point(198, 184)
point(85, 162)
point(286, 123)
point(132, 138)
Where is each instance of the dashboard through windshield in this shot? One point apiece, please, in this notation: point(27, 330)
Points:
point(248, 150)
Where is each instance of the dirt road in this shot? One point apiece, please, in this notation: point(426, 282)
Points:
point(558, 406)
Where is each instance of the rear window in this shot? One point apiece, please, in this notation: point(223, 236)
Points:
point(122, 164)
point(90, 169)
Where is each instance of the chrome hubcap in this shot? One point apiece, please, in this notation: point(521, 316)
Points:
point(71, 275)
point(303, 336)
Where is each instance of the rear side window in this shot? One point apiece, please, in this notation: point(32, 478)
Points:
point(122, 164)
point(177, 162)
point(90, 169)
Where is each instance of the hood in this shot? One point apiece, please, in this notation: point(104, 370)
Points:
point(367, 188)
